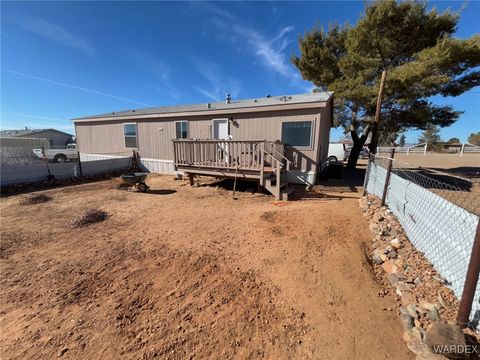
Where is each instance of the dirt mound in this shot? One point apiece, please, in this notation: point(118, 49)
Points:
point(88, 217)
point(34, 198)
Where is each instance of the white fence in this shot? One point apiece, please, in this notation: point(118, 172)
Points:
point(441, 230)
point(151, 165)
point(422, 148)
point(469, 148)
point(17, 174)
point(418, 148)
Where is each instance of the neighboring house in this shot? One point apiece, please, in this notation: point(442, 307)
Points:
point(301, 122)
point(453, 147)
point(56, 138)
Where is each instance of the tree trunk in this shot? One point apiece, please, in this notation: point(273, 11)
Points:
point(358, 143)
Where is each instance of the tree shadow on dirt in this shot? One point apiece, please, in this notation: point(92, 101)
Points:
point(472, 172)
point(244, 186)
point(319, 193)
point(159, 192)
point(434, 180)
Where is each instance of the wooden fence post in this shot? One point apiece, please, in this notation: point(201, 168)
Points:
point(471, 280)
point(387, 177)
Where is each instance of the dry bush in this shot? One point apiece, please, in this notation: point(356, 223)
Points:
point(88, 217)
point(34, 198)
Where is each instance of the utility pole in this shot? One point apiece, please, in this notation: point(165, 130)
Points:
point(378, 113)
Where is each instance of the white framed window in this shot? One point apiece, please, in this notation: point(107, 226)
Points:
point(130, 135)
point(181, 129)
point(297, 133)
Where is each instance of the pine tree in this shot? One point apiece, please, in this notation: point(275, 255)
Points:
point(415, 48)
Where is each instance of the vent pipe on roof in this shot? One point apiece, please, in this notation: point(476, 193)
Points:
point(228, 99)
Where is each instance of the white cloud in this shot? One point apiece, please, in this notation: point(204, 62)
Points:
point(207, 93)
point(218, 83)
point(270, 51)
point(154, 66)
point(55, 33)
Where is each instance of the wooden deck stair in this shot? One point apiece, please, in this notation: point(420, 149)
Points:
point(281, 191)
point(250, 159)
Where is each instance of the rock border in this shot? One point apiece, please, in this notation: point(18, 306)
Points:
point(427, 307)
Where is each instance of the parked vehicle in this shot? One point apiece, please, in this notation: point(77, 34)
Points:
point(59, 155)
point(336, 152)
point(363, 153)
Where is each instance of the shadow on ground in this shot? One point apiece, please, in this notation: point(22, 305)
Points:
point(242, 186)
point(349, 181)
point(160, 192)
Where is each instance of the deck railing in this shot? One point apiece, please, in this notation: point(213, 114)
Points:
point(225, 154)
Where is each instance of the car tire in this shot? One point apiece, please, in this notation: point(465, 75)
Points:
point(60, 158)
point(332, 159)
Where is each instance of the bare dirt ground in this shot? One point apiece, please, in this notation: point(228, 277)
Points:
point(187, 273)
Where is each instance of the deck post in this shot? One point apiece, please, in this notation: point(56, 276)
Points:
point(174, 153)
point(262, 161)
point(190, 179)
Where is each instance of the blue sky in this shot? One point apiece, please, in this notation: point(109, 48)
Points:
point(61, 60)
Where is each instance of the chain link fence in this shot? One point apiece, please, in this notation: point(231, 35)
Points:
point(25, 160)
point(438, 211)
point(20, 151)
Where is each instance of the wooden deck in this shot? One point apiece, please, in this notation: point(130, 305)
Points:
point(244, 159)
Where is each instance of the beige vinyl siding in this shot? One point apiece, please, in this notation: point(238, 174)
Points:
point(154, 136)
point(101, 138)
point(324, 135)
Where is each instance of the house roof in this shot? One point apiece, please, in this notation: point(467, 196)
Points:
point(268, 101)
point(28, 132)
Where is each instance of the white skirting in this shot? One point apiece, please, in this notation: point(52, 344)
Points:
point(158, 166)
point(301, 177)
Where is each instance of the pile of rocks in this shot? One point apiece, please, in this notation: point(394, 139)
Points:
point(425, 303)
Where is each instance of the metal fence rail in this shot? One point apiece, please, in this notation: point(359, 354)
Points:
point(439, 214)
point(19, 151)
point(17, 173)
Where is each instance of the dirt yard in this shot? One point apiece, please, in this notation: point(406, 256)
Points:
point(187, 273)
point(467, 165)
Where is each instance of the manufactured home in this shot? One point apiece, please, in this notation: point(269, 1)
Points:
point(276, 139)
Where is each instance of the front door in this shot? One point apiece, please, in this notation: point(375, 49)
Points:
point(220, 129)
